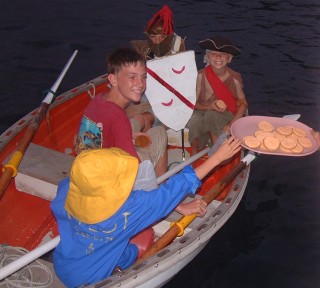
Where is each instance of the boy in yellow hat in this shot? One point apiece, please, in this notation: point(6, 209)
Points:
point(98, 213)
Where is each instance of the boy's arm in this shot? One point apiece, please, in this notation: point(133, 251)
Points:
point(230, 147)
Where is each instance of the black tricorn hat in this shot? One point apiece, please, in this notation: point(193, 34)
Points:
point(219, 44)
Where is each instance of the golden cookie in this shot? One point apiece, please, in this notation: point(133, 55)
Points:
point(265, 126)
point(251, 141)
point(279, 136)
point(305, 142)
point(285, 150)
point(220, 104)
point(263, 147)
point(288, 143)
point(142, 141)
point(271, 143)
point(294, 136)
point(298, 149)
point(299, 131)
point(262, 134)
point(285, 130)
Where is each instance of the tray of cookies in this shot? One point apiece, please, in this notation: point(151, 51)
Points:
point(274, 135)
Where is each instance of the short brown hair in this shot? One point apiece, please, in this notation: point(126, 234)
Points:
point(123, 56)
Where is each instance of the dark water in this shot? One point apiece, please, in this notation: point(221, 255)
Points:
point(273, 239)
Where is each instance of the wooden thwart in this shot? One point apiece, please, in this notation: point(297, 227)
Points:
point(41, 170)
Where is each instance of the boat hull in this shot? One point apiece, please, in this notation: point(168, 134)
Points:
point(27, 221)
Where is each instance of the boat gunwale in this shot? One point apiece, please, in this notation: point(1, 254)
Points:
point(23, 122)
point(197, 237)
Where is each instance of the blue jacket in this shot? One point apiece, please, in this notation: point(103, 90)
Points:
point(89, 253)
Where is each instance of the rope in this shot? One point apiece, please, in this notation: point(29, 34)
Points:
point(94, 90)
point(175, 162)
point(25, 276)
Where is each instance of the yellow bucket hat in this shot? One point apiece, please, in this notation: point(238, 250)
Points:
point(100, 182)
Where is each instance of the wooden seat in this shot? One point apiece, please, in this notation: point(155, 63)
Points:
point(40, 171)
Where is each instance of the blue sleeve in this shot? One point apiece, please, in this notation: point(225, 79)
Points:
point(153, 205)
point(57, 204)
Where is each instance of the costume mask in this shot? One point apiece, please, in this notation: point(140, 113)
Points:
point(162, 48)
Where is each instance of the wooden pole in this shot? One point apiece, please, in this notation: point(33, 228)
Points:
point(10, 168)
point(177, 228)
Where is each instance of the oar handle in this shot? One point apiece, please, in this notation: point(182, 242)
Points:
point(28, 258)
point(10, 169)
point(50, 94)
point(177, 228)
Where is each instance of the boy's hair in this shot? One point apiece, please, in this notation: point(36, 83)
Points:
point(123, 56)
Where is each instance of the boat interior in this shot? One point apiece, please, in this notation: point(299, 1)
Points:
point(26, 218)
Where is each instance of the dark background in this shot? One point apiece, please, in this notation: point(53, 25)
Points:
point(273, 239)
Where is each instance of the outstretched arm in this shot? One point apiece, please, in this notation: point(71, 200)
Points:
point(197, 206)
point(229, 148)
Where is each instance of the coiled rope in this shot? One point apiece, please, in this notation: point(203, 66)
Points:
point(25, 277)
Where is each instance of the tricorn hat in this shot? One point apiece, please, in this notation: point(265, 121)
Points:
point(219, 44)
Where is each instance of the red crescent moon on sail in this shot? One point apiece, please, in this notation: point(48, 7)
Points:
point(179, 71)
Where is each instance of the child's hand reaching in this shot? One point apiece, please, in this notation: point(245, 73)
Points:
point(229, 148)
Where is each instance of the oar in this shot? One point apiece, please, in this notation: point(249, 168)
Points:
point(45, 248)
point(28, 258)
point(177, 229)
point(185, 221)
point(193, 158)
point(10, 168)
point(166, 239)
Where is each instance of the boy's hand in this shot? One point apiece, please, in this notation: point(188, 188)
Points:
point(196, 206)
point(230, 147)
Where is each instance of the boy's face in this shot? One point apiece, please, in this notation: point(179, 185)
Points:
point(219, 59)
point(130, 82)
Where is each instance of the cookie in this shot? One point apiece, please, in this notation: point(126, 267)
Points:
point(285, 130)
point(298, 149)
point(262, 134)
point(265, 126)
point(220, 104)
point(288, 143)
point(142, 141)
point(271, 143)
point(299, 132)
point(282, 149)
point(251, 141)
point(279, 136)
point(305, 142)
